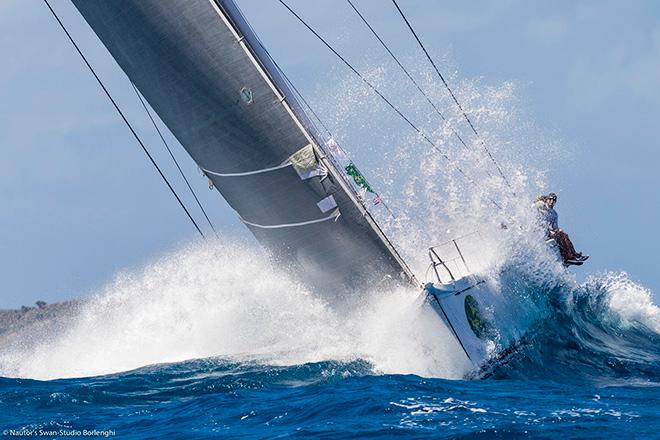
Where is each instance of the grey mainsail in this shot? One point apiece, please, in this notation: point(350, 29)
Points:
point(202, 69)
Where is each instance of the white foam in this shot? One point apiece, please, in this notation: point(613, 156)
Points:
point(226, 300)
point(436, 199)
point(632, 302)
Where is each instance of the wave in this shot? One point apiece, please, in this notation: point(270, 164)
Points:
point(603, 331)
point(224, 299)
point(208, 300)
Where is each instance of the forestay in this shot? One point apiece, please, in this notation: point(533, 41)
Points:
point(201, 68)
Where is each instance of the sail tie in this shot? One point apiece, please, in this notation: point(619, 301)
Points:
point(334, 216)
point(373, 88)
point(249, 173)
point(304, 161)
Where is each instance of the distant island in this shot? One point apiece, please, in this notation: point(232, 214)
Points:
point(31, 324)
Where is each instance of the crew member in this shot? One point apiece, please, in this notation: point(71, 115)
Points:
point(546, 205)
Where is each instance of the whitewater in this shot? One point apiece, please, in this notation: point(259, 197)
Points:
point(216, 339)
point(213, 299)
point(209, 340)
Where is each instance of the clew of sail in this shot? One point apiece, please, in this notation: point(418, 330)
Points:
point(202, 69)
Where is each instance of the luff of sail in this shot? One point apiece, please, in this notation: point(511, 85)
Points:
point(202, 70)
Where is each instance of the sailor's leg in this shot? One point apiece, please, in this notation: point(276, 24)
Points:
point(566, 248)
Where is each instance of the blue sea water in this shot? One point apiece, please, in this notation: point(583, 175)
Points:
point(585, 370)
point(212, 397)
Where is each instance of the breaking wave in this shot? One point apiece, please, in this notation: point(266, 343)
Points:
point(603, 331)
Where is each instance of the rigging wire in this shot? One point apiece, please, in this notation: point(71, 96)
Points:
point(128, 124)
point(411, 274)
point(302, 98)
point(442, 78)
point(384, 98)
point(169, 150)
point(419, 88)
point(305, 102)
point(309, 107)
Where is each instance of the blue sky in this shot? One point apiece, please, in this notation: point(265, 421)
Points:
point(81, 202)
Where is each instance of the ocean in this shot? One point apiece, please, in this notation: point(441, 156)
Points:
point(192, 347)
point(216, 397)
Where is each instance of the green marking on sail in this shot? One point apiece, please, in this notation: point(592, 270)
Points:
point(358, 178)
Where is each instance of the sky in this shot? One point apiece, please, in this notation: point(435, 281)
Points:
point(82, 203)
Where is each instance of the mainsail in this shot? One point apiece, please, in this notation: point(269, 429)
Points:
point(203, 70)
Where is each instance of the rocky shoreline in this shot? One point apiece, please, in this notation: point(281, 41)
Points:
point(28, 325)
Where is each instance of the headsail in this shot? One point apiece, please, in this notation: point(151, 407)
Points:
point(203, 71)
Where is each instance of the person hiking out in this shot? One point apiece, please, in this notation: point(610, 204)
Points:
point(550, 218)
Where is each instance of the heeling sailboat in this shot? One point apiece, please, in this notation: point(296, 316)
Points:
point(202, 69)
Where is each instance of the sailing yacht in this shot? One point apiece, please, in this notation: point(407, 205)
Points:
point(204, 71)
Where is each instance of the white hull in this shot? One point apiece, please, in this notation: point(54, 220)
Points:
point(463, 305)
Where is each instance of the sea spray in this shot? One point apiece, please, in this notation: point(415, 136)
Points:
point(632, 302)
point(600, 331)
point(227, 300)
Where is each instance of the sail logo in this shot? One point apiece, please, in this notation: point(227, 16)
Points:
point(246, 95)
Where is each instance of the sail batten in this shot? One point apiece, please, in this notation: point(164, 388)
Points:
point(199, 66)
